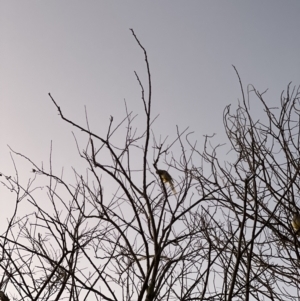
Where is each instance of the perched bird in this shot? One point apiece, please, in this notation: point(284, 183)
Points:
point(166, 178)
point(3, 297)
point(296, 222)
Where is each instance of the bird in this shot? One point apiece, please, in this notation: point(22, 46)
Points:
point(296, 222)
point(3, 297)
point(166, 178)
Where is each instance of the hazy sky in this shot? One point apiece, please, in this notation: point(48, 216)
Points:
point(83, 53)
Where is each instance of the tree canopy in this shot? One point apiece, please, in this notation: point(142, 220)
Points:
point(223, 232)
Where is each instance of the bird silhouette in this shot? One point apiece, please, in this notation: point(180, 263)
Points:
point(3, 297)
point(296, 222)
point(166, 178)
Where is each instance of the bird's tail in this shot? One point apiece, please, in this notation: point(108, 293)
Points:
point(172, 187)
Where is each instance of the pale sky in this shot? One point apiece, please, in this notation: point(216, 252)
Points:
point(84, 54)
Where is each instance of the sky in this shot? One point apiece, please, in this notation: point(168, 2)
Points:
point(83, 53)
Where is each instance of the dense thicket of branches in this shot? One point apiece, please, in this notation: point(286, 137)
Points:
point(225, 235)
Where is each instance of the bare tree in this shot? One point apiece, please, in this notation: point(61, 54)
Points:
point(217, 230)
